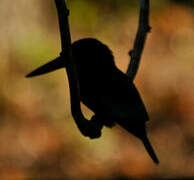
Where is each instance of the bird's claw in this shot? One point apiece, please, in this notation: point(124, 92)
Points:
point(92, 128)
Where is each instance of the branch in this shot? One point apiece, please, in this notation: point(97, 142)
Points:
point(86, 127)
point(141, 35)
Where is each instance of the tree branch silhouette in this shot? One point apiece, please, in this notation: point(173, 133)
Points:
point(143, 29)
point(89, 128)
point(86, 127)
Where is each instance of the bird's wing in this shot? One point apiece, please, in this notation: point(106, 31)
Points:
point(118, 99)
point(121, 110)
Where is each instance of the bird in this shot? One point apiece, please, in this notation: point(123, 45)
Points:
point(106, 90)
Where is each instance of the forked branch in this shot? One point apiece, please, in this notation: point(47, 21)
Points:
point(143, 29)
point(86, 127)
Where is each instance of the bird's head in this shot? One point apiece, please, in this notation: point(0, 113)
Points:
point(91, 57)
point(91, 53)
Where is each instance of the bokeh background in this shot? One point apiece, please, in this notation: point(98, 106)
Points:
point(38, 137)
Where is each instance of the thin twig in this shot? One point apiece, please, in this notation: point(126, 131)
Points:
point(141, 35)
point(66, 54)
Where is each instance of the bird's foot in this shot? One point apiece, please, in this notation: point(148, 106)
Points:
point(92, 128)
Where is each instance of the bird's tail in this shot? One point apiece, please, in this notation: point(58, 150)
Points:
point(48, 67)
point(140, 132)
point(150, 149)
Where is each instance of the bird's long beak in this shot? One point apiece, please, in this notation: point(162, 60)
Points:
point(48, 67)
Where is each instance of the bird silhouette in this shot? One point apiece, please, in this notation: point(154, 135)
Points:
point(104, 89)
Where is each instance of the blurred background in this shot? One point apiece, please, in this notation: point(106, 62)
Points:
point(38, 136)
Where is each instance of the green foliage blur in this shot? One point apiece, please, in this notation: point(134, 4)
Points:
point(38, 137)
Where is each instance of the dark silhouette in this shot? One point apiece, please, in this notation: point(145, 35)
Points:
point(105, 89)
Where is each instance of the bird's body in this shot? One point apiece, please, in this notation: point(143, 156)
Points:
point(114, 98)
point(106, 90)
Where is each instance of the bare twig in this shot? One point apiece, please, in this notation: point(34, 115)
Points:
point(86, 128)
point(141, 35)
